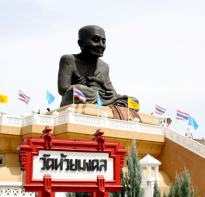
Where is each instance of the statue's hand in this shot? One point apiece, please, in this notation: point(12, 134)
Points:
point(92, 78)
point(110, 92)
point(125, 96)
point(95, 79)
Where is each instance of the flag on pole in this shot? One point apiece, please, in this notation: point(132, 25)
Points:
point(182, 116)
point(132, 104)
point(23, 97)
point(193, 123)
point(99, 102)
point(79, 94)
point(129, 117)
point(49, 97)
point(3, 98)
point(159, 110)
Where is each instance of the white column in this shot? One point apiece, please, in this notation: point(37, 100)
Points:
point(149, 189)
point(34, 118)
point(55, 114)
point(149, 162)
point(69, 114)
point(3, 117)
point(23, 115)
point(137, 127)
point(104, 115)
point(156, 170)
point(163, 128)
point(148, 172)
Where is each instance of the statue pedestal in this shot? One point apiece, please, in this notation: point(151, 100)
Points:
point(87, 109)
point(120, 113)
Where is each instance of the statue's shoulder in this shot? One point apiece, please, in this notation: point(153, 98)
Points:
point(69, 59)
point(103, 64)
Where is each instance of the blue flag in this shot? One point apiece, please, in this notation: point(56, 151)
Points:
point(193, 123)
point(99, 102)
point(49, 97)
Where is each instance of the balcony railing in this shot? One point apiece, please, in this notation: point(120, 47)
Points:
point(102, 122)
point(70, 117)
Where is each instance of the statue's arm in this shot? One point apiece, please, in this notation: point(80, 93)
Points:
point(109, 86)
point(106, 78)
point(65, 74)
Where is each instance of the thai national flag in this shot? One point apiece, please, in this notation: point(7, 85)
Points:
point(182, 115)
point(23, 97)
point(159, 110)
point(79, 94)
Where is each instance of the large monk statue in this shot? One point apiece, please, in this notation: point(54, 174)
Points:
point(87, 72)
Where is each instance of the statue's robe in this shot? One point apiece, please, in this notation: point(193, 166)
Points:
point(88, 79)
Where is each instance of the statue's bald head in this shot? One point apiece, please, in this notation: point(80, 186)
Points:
point(89, 30)
point(92, 40)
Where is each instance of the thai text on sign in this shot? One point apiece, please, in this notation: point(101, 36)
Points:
point(72, 164)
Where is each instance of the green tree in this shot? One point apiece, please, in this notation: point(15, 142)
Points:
point(123, 183)
point(172, 191)
point(131, 179)
point(81, 194)
point(157, 192)
point(133, 176)
point(114, 194)
point(76, 194)
point(185, 183)
point(70, 194)
point(165, 194)
point(192, 192)
point(130, 175)
point(197, 192)
point(177, 186)
point(182, 188)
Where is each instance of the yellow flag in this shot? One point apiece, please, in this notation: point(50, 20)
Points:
point(3, 98)
point(132, 104)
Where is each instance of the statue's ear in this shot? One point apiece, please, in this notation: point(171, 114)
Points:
point(80, 42)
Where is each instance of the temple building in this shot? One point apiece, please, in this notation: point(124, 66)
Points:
point(162, 151)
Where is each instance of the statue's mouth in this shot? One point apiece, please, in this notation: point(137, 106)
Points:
point(99, 50)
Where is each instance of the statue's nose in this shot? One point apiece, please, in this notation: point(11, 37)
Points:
point(101, 44)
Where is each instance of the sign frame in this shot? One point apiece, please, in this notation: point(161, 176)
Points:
point(47, 186)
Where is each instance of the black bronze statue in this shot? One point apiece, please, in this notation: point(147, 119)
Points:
point(87, 72)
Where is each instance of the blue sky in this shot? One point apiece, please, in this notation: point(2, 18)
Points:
point(155, 50)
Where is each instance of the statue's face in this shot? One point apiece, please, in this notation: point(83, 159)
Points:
point(94, 43)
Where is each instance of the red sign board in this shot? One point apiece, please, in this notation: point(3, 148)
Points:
point(52, 165)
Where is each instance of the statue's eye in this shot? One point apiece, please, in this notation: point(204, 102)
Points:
point(103, 40)
point(95, 39)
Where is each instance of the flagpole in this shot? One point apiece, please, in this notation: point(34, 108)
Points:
point(188, 122)
point(128, 108)
point(45, 108)
point(73, 101)
point(155, 115)
point(45, 105)
point(16, 104)
point(97, 103)
point(156, 118)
